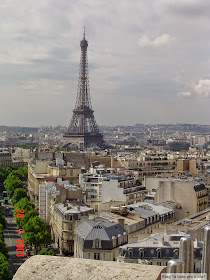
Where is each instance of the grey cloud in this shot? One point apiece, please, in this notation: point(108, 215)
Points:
point(41, 41)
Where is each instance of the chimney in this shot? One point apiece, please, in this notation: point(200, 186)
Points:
point(162, 240)
point(186, 253)
point(122, 223)
point(206, 252)
point(175, 266)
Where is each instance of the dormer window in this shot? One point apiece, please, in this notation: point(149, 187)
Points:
point(130, 252)
point(141, 252)
point(176, 253)
point(158, 253)
point(97, 243)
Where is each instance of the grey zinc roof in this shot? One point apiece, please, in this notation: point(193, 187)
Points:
point(145, 213)
point(103, 230)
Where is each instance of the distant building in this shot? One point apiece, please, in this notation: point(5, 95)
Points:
point(194, 224)
point(106, 188)
point(154, 215)
point(184, 165)
point(63, 222)
point(99, 240)
point(158, 249)
point(5, 159)
point(42, 171)
point(191, 195)
point(51, 193)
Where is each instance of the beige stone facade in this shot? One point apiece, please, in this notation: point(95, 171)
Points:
point(5, 159)
point(191, 195)
point(64, 218)
point(44, 171)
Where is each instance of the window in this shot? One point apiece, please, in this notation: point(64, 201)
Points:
point(159, 253)
point(141, 252)
point(96, 256)
point(130, 253)
point(97, 244)
point(70, 227)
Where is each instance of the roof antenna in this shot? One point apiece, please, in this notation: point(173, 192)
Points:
point(84, 32)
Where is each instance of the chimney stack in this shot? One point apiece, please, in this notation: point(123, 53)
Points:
point(175, 266)
point(122, 223)
point(186, 253)
point(205, 268)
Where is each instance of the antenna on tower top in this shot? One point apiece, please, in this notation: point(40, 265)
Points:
point(84, 32)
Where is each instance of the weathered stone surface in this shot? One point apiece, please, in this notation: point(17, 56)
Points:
point(60, 268)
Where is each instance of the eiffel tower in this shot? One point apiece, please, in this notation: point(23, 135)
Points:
point(83, 130)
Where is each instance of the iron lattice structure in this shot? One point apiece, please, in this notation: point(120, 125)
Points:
point(83, 130)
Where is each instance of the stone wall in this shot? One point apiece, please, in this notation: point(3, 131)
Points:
point(57, 268)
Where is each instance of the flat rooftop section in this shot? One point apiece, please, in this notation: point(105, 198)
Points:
point(57, 268)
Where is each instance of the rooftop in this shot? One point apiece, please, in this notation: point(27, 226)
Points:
point(103, 230)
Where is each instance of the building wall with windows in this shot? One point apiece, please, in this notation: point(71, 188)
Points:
point(5, 159)
point(158, 249)
point(191, 195)
point(40, 172)
point(63, 222)
point(99, 240)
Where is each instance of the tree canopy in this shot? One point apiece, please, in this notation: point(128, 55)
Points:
point(11, 183)
point(28, 215)
point(4, 248)
point(36, 232)
point(45, 252)
point(23, 204)
point(18, 195)
point(5, 272)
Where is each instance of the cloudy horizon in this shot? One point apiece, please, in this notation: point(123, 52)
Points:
point(148, 61)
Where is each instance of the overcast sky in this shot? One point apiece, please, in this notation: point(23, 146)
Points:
point(149, 61)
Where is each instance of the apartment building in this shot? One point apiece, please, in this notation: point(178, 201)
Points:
point(99, 240)
point(5, 159)
point(42, 171)
point(153, 215)
point(106, 188)
point(194, 224)
point(51, 193)
point(191, 195)
point(63, 223)
point(158, 249)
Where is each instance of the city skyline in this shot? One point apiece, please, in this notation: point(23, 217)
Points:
point(147, 63)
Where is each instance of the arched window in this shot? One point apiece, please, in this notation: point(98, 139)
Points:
point(130, 253)
point(141, 253)
point(158, 253)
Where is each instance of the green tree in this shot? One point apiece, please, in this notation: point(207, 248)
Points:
point(36, 232)
point(1, 232)
point(7, 170)
point(5, 272)
point(18, 194)
point(11, 183)
point(23, 204)
point(28, 215)
point(45, 252)
point(2, 176)
point(4, 248)
point(2, 220)
point(21, 173)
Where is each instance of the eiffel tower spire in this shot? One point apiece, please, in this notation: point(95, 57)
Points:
point(83, 130)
